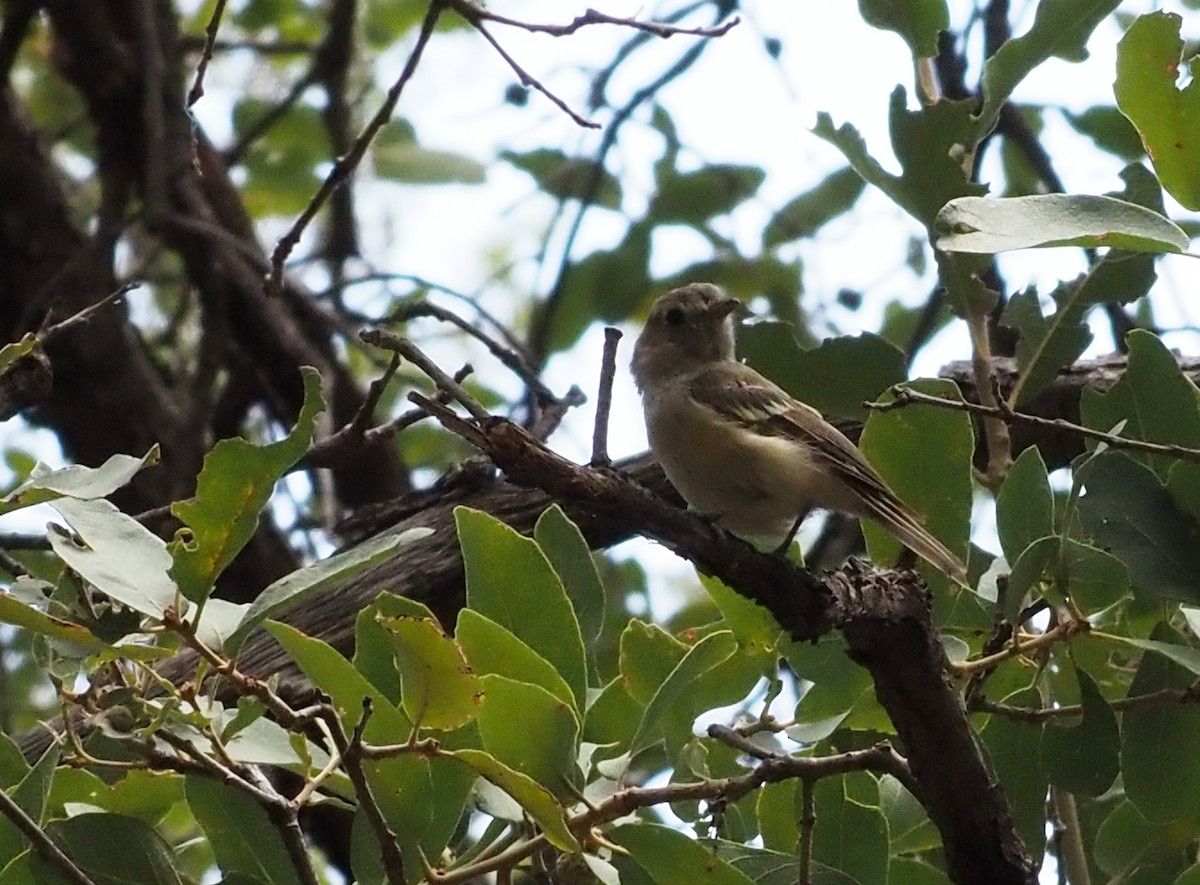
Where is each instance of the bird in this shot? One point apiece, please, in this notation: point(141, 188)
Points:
point(743, 451)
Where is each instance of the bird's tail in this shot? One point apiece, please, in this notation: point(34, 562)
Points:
point(904, 525)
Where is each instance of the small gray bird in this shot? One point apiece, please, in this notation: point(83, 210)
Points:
point(739, 448)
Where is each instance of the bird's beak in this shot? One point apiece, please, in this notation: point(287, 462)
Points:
point(725, 307)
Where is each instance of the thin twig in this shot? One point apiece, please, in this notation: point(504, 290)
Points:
point(206, 54)
point(346, 164)
point(472, 13)
point(1035, 715)
point(338, 444)
point(608, 371)
point(906, 396)
point(12, 565)
point(547, 422)
point(350, 750)
point(405, 348)
point(806, 824)
point(87, 313)
point(1061, 633)
point(1072, 852)
point(543, 317)
point(449, 419)
point(50, 852)
point(511, 358)
point(527, 79)
point(999, 443)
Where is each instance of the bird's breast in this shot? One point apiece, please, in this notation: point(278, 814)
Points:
point(755, 484)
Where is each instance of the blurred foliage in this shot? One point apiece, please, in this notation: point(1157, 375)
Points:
point(549, 688)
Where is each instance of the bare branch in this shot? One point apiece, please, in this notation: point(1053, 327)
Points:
point(906, 396)
point(346, 164)
point(608, 370)
point(206, 54)
point(52, 854)
point(472, 12)
point(405, 348)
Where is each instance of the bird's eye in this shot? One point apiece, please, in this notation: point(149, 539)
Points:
point(674, 316)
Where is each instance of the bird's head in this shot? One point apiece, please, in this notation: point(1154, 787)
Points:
point(687, 329)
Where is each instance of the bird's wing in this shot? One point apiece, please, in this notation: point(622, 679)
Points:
point(738, 393)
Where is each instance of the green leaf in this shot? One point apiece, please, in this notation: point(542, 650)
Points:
point(243, 839)
point(21, 615)
point(700, 658)
point(840, 687)
point(756, 629)
point(535, 799)
point(1110, 130)
point(116, 554)
point(13, 351)
point(1025, 505)
point(1184, 656)
point(925, 141)
point(421, 799)
point(606, 285)
point(909, 827)
point(807, 213)
point(347, 688)
point(234, 486)
point(851, 836)
point(1127, 841)
point(438, 689)
point(1046, 344)
point(1158, 735)
point(89, 840)
point(911, 871)
point(990, 225)
point(396, 155)
point(924, 453)
point(511, 714)
point(75, 481)
point(1060, 29)
point(1095, 579)
point(373, 647)
point(777, 818)
point(13, 766)
point(1153, 398)
point(835, 378)
point(492, 649)
point(613, 717)
point(281, 166)
point(569, 555)
point(569, 178)
point(670, 857)
point(146, 795)
point(648, 655)
point(917, 22)
point(510, 580)
point(694, 197)
point(1166, 117)
point(30, 794)
point(650, 658)
point(1085, 758)
point(1031, 565)
point(1128, 513)
point(773, 867)
point(294, 588)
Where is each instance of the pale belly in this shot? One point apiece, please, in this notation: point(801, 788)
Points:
point(755, 486)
